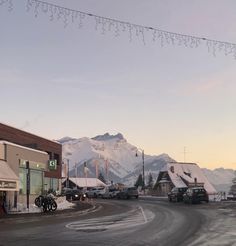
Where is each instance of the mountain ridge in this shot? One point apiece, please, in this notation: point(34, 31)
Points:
point(121, 161)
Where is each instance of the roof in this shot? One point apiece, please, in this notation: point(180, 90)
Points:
point(86, 182)
point(190, 172)
point(22, 147)
point(32, 134)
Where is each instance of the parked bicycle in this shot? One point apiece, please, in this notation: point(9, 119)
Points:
point(47, 202)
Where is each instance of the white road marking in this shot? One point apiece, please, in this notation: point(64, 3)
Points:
point(134, 217)
point(144, 216)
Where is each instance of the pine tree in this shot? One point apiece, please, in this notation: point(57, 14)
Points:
point(150, 181)
point(139, 181)
point(101, 177)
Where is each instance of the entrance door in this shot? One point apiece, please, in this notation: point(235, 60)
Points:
point(3, 195)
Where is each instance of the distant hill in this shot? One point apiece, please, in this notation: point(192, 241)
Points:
point(221, 178)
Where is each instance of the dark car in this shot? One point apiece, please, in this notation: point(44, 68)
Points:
point(195, 195)
point(176, 194)
point(127, 193)
point(73, 195)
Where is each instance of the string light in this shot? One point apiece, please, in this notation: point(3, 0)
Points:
point(105, 24)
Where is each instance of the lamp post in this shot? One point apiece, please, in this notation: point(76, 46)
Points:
point(68, 168)
point(143, 167)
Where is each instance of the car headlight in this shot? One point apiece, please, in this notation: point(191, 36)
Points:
point(76, 195)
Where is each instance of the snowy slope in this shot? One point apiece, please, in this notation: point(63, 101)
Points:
point(221, 178)
point(116, 159)
point(114, 156)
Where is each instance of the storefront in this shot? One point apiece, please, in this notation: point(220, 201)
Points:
point(36, 162)
point(9, 185)
point(22, 175)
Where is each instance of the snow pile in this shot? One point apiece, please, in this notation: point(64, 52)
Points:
point(62, 203)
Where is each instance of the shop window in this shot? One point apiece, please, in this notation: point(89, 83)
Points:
point(36, 182)
point(22, 183)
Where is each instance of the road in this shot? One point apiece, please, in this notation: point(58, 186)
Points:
point(126, 222)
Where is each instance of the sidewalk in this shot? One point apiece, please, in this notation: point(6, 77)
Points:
point(76, 207)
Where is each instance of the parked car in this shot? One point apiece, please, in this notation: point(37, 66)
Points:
point(110, 193)
point(176, 194)
point(195, 195)
point(127, 193)
point(231, 197)
point(96, 192)
point(74, 194)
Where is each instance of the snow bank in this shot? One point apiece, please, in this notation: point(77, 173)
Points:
point(62, 204)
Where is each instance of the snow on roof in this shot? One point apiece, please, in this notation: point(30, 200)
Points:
point(190, 172)
point(22, 147)
point(86, 182)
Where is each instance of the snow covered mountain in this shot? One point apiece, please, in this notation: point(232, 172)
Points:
point(221, 178)
point(113, 156)
point(116, 159)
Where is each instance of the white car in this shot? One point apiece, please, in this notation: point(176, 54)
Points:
point(110, 193)
point(96, 192)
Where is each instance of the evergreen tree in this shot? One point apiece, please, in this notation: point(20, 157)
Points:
point(101, 177)
point(139, 181)
point(150, 181)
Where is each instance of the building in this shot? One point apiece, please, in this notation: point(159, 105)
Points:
point(29, 165)
point(83, 183)
point(177, 174)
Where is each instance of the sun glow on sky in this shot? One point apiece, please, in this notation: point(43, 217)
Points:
point(58, 81)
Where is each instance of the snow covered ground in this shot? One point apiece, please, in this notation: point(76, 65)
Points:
point(62, 204)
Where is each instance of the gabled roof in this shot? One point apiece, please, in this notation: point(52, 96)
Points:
point(86, 182)
point(188, 172)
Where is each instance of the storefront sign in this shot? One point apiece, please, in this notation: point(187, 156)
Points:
point(8, 185)
point(52, 164)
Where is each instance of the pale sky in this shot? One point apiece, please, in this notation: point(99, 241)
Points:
point(79, 82)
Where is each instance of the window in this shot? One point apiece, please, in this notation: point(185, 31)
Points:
point(36, 182)
point(3, 152)
point(22, 183)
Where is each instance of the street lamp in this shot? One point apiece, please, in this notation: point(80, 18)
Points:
point(143, 166)
point(68, 168)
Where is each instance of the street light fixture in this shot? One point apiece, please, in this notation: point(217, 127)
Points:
point(143, 166)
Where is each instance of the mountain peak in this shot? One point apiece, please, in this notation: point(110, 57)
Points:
point(108, 136)
point(65, 139)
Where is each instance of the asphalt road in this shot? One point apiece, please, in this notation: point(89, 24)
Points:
point(125, 222)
